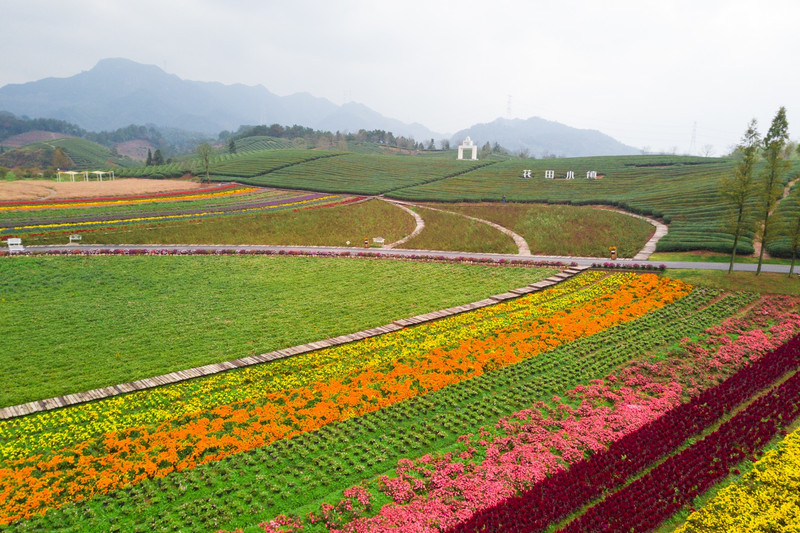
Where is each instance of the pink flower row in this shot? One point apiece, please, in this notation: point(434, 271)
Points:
point(522, 450)
point(568, 490)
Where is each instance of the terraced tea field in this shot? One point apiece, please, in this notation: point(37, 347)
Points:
point(681, 190)
point(362, 173)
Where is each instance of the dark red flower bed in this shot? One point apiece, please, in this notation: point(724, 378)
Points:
point(653, 498)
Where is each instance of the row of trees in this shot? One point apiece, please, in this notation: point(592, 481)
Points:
point(752, 203)
point(154, 158)
point(11, 125)
point(327, 139)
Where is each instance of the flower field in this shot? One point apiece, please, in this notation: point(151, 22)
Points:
point(518, 416)
point(766, 496)
point(20, 219)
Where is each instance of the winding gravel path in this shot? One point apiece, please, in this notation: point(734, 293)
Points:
point(521, 243)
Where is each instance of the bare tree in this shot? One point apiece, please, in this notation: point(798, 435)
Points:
point(708, 150)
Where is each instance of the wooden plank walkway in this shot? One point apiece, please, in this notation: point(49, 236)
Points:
point(48, 404)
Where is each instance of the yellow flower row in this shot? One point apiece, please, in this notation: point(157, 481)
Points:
point(198, 196)
point(56, 429)
point(766, 499)
point(168, 217)
point(80, 454)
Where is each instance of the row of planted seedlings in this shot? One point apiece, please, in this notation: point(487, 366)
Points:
point(671, 485)
point(259, 203)
point(646, 501)
point(406, 429)
point(229, 198)
point(97, 447)
point(435, 492)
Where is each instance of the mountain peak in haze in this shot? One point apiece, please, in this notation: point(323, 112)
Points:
point(544, 138)
point(117, 92)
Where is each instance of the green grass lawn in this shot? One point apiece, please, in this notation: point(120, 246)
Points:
point(766, 282)
point(565, 230)
point(453, 232)
point(711, 257)
point(76, 323)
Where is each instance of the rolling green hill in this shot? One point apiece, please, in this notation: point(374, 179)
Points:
point(680, 190)
point(83, 155)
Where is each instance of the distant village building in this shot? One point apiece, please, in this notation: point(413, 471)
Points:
point(470, 145)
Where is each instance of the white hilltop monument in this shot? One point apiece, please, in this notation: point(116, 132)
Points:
point(468, 144)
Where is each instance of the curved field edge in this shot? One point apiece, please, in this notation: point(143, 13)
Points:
point(491, 412)
point(581, 231)
point(590, 292)
point(161, 314)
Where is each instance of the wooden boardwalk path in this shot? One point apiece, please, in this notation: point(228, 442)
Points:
point(191, 373)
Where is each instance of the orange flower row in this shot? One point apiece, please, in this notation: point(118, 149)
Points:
point(32, 484)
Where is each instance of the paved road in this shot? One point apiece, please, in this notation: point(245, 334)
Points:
point(583, 261)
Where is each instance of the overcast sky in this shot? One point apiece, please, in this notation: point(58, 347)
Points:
point(649, 73)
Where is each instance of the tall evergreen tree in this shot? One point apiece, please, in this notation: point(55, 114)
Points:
point(158, 157)
point(737, 190)
point(774, 143)
point(149, 158)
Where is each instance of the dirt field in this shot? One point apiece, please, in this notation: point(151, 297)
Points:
point(53, 190)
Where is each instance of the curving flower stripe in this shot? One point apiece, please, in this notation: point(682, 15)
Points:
point(154, 195)
point(60, 456)
point(200, 214)
point(127, 200)
point(524, 451)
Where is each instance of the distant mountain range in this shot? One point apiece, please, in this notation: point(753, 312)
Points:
point(119, 92)
point(544, 138)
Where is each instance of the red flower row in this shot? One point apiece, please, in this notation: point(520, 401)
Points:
point(565, 492)
point(130, 197)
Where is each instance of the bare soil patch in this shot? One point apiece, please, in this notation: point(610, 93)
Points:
point(23, 190)
point(136, 149)
point(17, 141)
